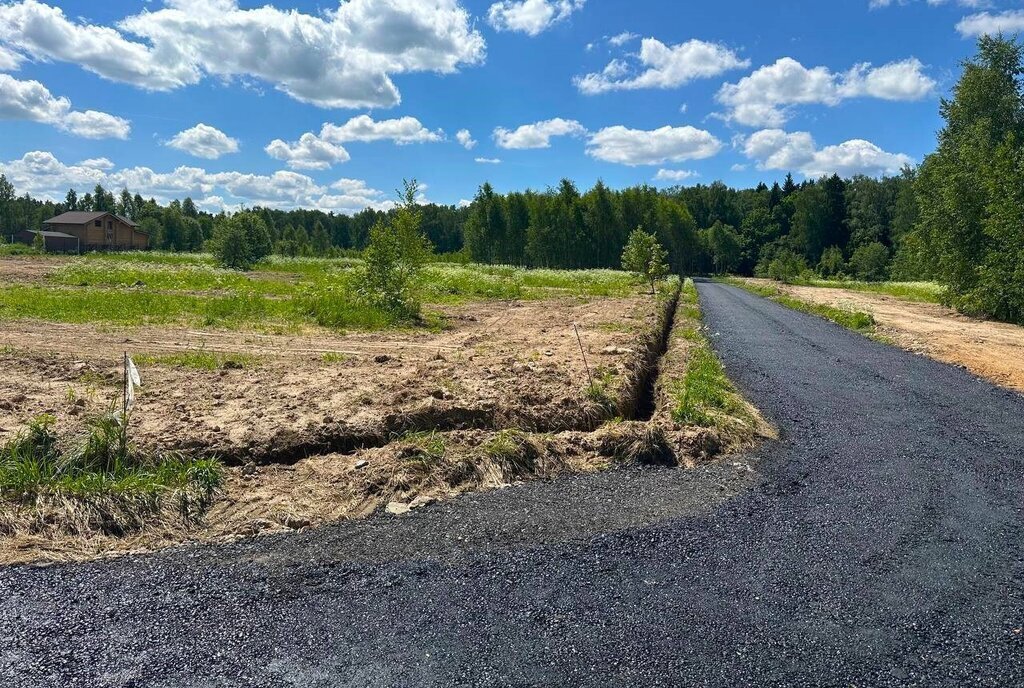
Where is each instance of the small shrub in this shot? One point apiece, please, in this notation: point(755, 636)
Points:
point(870, 262)
point(394, 257)
point(645, 256)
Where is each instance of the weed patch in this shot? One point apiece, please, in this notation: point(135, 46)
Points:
point(101, 481)
point(200, 360)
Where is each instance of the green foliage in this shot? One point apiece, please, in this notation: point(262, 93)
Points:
point(705, 396)
point(786, 266)
point(240, 241)
point(968, 233)
point(102, 462)
point(39, 243)
point(394, 258)
point(645, 256)
point(832, 262)
point(870, 262)
point(199, 360)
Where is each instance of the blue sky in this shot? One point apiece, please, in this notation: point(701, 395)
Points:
point(212, 98)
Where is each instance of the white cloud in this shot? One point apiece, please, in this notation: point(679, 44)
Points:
point(204, 141)
point(340, 58)
point(677, 176)
point(321, 151)
point(9, 60)
point(765, 97)
point(363, 128)
point(621, 39)
point(41, 174)
point(489, 161)
point(531, 17)
point(464, 203)
point(976, 4)
point(537, 135)
point(774, 149)
point(98, 163)
point(465, 139)
point(1008, 22)
point(662, 66)
point(30, 100)
point(667, 144)
point(310, 152)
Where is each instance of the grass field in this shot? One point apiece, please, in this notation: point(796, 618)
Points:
point(282, 294)
point(922, 292)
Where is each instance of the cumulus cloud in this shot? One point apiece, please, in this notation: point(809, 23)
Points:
point(204, 141)
point(342, 58)
point(364, 128)
point(1008, 22)
point(766, 97)
point(637, 147)
point(489, 161)
point(310, 152)
point(41, 174)
point(31, 100)
point(774, 149)
point(321, 151)
point(98, 163)
point(465, 139)
point(675, 176)
point(531, 17)
point(538, 134)
point(662, 66)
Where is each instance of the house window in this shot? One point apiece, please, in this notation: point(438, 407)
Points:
point(99, 223)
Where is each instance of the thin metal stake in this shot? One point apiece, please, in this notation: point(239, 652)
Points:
point(584, 353)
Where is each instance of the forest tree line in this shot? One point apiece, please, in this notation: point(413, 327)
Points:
point(957, 219)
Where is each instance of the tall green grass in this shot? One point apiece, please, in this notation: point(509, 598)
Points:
point(102, 463)
point(705, 396)
point(282, 293)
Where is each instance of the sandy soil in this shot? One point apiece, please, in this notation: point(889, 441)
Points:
point(988, 349)
point(499, 365)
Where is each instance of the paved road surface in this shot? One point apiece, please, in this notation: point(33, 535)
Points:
point(878, 543)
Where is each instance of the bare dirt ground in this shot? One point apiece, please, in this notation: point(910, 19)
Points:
point(500, 364)
point(991, 350)
point(317, 428)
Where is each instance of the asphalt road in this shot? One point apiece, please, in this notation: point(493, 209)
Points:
point(878, 543)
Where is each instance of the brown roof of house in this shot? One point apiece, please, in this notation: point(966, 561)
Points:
point(79, 217)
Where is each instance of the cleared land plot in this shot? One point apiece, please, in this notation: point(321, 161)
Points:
point(318, 423)
point(988, 349)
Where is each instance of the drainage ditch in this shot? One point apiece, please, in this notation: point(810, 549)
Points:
point(636, 402)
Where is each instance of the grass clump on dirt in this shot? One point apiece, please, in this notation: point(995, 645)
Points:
point(200, 360)
point(705, 395)
point(101, 481)
point(858, 321)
